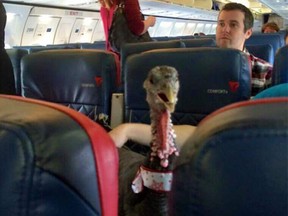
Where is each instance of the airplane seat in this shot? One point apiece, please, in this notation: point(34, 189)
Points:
point(203, 87)
point(275, 39)
point(161, 38)
point(96, 45)
point(65, 46)
point(263, 51)
point(235, 163)
point(213, 36)
point(135, 48)
point(28, 47)
point(199, 42)
point(15, 56)
point(54, 161)
point(186, 37)
point(80, 79)
point(52, 47)
point(280, 66)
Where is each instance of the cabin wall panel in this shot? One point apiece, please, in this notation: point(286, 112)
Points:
point(39, 30)
point(82, 30)
point(64, 30)
point(98, 34)
point(16, 19)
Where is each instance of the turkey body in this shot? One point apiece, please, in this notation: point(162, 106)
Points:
point(162, 87)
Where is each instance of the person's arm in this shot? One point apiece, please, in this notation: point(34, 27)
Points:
point(141, 133)
point(149, 22)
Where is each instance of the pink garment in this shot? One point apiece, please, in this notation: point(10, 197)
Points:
point(107, 16)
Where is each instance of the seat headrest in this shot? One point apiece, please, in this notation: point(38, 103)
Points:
point(235, 163)
point(54, 161)
point(263, 51)
point(199, 42)
point(274, 39)
point(135, 48)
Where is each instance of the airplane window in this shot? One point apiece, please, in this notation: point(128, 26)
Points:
point(199, 28)
point(213, 29)
point(207, 28)
point(164, 28)
point(98, 34)
point(178, 29)
point(189, 29)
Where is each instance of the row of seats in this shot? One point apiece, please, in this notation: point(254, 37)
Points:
point(86, 79)
point(256, 44)
point(55, 161)
point(261, 45)
point(83, 79)
point(17, 53)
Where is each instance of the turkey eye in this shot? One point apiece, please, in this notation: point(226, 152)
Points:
point(163, 97)
point(151, 81)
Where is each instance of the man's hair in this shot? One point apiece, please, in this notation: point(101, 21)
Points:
point(248, 16)
point(271, 25)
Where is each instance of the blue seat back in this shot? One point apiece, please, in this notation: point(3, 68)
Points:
point(96, 45)
point(263, 51)
point(275, 39)
point(81, 79)
point(280, 67)
point(199, 42)
point(235, 163)
point(65, 46)
point(207, 82)
point(15, 56)
point(51, 161)
point(52, 47)
point(135, 48)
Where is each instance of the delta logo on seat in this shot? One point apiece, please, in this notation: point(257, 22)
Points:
point(232, 85)
point(98, 80)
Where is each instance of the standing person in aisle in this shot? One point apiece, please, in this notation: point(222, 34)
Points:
point(7, 80)
point(133, 15)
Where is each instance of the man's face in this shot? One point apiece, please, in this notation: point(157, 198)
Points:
point(230, 30)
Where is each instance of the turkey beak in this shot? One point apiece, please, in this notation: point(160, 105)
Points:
point(168, 97)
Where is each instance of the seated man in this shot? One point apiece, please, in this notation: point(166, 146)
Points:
point(234, 27)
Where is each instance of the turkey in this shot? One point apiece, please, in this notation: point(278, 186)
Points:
point(144, 182)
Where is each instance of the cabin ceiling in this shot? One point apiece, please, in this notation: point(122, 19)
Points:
point(193, 9)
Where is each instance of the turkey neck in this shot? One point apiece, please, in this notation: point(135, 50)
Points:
point(163, 148)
